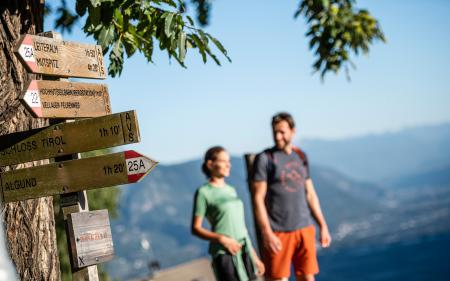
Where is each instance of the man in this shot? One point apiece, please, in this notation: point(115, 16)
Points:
point(285, 205)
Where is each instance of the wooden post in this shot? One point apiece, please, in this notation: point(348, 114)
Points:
point(72, 202)
point(249, 159)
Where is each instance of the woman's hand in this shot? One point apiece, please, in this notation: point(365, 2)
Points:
point(232, 246)
point(259, 267)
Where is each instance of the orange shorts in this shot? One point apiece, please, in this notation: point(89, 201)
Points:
point(299, 248)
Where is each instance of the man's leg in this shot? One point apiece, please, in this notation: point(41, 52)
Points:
point(278, 265)
point(305, 257)
point(306, 277)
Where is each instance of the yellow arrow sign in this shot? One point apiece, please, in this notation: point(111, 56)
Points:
point(75, 175)
point(60, 99)
point(68, 138)
point(60, 58)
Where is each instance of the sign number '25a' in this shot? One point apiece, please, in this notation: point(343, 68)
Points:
point(136, 166)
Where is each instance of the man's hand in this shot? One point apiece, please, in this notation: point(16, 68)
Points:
point(271, 242)
point(232, 246)
point(325, 237)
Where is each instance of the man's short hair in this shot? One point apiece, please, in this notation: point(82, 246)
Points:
point(283, 116)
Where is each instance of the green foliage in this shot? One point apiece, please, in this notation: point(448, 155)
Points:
point(130, 26)
point(104, 198)
point(65, 19)
point(123, 27)
point(335, 29)
point(203, 11)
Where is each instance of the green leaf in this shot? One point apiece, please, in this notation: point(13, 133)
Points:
point(130, 43)
point(216, 60)
point(116, 59)
point(191, 21)
point(94, 18)
point(117, 50)
point(203, 36)
point(219, 46)
point(199, 43)
point(118, 17)
point(167, 25)
point(326, 3)
point(81, 7)
point(182, 46)
point(106, 36)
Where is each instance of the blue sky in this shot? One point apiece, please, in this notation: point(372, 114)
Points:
point(182, 112)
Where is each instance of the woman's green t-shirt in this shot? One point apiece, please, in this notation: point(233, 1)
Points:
point(224, 211)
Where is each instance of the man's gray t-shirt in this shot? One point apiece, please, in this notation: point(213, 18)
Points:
point(285, 200)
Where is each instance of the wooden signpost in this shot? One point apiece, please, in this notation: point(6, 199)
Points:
point(54, 57)
point(90, 238)
point(89, 232)
point(75, 175)
point(61, 99)
point(69, 138)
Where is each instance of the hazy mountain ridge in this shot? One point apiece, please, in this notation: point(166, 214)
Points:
point(377, 158)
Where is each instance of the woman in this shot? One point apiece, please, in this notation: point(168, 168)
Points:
point(233, 255)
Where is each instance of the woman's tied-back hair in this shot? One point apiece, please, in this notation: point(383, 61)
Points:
point(283, 116)
point(211, 154)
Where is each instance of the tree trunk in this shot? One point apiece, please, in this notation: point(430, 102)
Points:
point(29, 225)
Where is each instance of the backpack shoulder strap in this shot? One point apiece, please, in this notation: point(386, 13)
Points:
point(269, 154)
point(301, 154)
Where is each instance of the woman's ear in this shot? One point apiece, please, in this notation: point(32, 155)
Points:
point(209, 165)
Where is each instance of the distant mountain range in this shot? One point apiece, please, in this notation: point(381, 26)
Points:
point(377, 158)
point(393, 215)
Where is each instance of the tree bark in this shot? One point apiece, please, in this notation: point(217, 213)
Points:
point(29, 225)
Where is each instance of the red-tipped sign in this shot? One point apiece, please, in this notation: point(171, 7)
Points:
point(75, 175)
point(54, 57)
point(60, 99)
point(137, 165)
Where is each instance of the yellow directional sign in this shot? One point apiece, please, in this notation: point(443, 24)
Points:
point(60, 58)
point(68, 138)
point(74, 175)
point(60, 99)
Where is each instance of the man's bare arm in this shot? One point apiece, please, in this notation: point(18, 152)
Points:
point(270, 241)
point(314, 206)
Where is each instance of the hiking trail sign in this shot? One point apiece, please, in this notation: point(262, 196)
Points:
point(90, 238)
point(75, 175)
point(89, 232)
point(69, 138)
point(49, 56)
point(58, 99)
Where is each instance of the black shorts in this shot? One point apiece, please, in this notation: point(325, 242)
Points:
point(225, 270)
